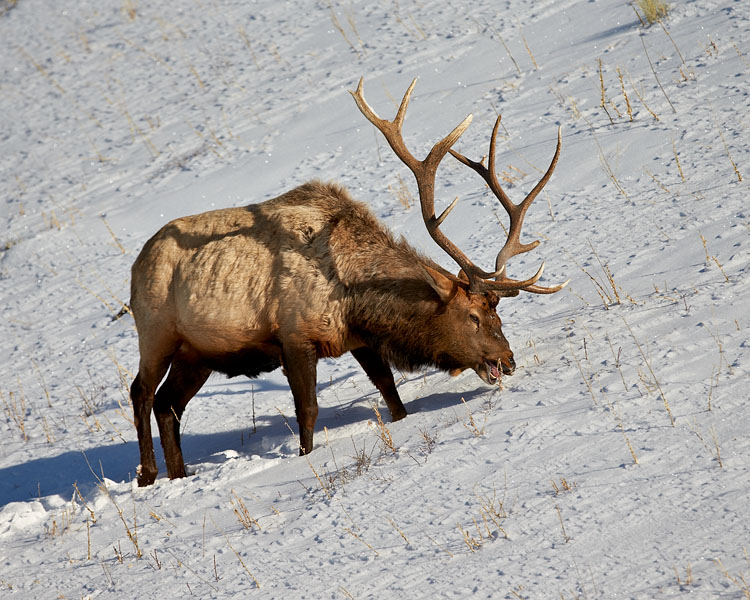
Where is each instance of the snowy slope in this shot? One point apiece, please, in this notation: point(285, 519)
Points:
point(615, 463)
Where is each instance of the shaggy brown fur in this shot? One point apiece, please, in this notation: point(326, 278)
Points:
point(307, 275)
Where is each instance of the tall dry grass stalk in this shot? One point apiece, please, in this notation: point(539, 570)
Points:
point(237, 554)
point(502, 41)
point(386, 439)
point(531, 55)
point(562, 525)
point(337, 24)
point(677, 160)
point(653, 375)
point(625, 94)
point(726, 149)
point(658, 81)
point(603, 99)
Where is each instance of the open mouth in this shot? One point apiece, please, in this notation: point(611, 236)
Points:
point(493, 372)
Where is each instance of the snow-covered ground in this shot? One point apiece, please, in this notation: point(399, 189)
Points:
point(615, 463)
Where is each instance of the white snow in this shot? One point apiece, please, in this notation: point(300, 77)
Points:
point(116, 116)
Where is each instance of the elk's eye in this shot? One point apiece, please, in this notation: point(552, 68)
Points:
point(474, 319)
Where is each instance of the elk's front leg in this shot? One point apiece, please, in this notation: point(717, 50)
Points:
point(380, 374)
point(300, 365)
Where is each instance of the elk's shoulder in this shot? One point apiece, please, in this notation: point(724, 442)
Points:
point(318, 200)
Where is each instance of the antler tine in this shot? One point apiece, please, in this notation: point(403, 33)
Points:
point(424, 172)
point(488, 173)
point(401, 114)
point(538, 289)
point(390, 129)
point(516, 212)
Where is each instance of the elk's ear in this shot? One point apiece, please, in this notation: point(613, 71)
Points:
point(492, 299)
point(444, 287)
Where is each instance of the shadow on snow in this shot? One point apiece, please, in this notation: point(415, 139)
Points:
point(55, 475)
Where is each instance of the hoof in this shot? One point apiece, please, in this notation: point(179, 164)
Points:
point(145, 477)
point(397, 415)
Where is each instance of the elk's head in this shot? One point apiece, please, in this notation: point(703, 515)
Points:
point(470, 330)
point(471, 298)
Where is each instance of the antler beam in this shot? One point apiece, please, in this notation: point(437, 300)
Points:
point(480, 281)
point(424, 172)
point(516, 212)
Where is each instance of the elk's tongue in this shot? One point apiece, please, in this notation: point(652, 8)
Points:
point(492, 367)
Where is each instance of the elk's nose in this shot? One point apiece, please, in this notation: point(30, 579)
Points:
point(509, 367)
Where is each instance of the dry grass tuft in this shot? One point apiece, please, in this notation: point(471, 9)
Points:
point(688, 580)
point(7, 5)
point(400, 531)
point(15, 410)
point(713, 448)
point(242, 514)
point(492, 515)
point(62, 521)
point(402, 193)
point(471, 424)
point(653, 10)
point(492, 509)
point(362, 459)
point(130, 9)
point(430, 439)
point(610, 292)
point(603, 98)
point(473, 543)
point(564, 486)
point(741, 581)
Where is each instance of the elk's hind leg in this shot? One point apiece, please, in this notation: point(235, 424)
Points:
point(186, 377)
point(380, 374)
point(153, 366)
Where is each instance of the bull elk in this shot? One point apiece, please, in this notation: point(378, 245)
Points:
point(313, 274)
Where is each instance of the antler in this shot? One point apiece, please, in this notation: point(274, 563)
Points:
point(513, 245)
point(480, 281)
point(424, 172)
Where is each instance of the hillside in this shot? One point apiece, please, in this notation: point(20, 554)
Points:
point(615, 462)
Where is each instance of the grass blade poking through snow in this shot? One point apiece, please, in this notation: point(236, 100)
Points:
point(653, 375)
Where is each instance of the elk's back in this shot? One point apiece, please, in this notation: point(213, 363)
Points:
point(229, 278)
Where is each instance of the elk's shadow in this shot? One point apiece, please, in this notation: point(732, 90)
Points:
point(55, 475)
